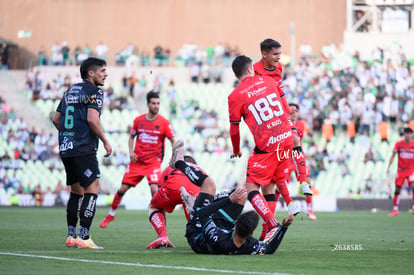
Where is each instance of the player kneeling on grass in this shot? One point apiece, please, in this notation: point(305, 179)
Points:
point(216, 226)
point(167, 198)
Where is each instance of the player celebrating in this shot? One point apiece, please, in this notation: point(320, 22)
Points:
point(269, 65)
point(146, 156)
point(77, 119)
point(167, 198)
point(216, 226)
point(405, 150)
point(258, 99)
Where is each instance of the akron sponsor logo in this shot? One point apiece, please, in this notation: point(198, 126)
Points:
point(275, 139)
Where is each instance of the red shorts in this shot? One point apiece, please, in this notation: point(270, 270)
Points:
point(402, 175)
point(136, 171)
point(264, 168)
point(168, 196)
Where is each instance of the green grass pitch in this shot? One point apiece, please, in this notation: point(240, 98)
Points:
point(32, 241)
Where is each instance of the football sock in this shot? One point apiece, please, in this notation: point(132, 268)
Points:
point(260, 205)
point(157, 220)
point(284, 191)
point(299, 160)
point(396, 201)
point(86, 214)
point(308, 200)
point(72, 231)
point(271, 201)
point(115, 203)
point(72, 208)
point(194, 174)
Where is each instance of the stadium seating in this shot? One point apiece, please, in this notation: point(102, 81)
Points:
point(209, 97)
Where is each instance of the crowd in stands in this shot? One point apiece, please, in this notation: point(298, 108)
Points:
point(27, 145)
point(339, 94)
point(60, 54)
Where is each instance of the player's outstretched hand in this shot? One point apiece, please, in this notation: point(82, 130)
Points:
point(287, 221)
point(239, 196)
point(108, 149)
point(236, 155)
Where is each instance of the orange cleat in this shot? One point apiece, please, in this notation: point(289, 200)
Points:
point(160, 242)
point(104, 223)
point(394, 213)
point(311, 216)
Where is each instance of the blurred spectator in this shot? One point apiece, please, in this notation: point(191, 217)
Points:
point(4, 57)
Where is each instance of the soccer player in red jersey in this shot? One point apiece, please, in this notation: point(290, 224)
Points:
point(299, 125)
point(149, 132)
point(167, 198)
point(405, 150)
point(259, 100)
point(269, 65)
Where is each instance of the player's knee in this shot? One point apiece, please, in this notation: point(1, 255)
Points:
point(252, 194)
point(208, 185)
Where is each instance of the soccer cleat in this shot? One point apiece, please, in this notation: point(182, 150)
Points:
point(394, 213)
point(160, 242)
point(292, 209)
point(104, 223)
point(89, 244)
point(304, 189)
point(178, 153)
point(70, 241)
point(188, 199)
point(270, 235)
point(311, 216)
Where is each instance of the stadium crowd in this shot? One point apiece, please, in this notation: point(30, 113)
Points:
point(339, 94)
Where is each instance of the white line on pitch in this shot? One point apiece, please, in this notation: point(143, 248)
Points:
point(137, 264)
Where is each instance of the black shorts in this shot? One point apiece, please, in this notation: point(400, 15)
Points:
point(84, 169)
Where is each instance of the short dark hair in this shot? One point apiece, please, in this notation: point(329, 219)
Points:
point(240, 65)
point(408, 130)
point(268, 44)
point(90, 64)
point(190, 159)
point(294, 105)
point(247, 223)
point(152, 94)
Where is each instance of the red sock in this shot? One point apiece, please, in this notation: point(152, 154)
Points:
point(187, 215)
point(277, 194)
point(284, 191)
point(157, 220)
point(265, 228)
point(308, 199)
point(271, 202)
point(260, 205)
point(300, 166)
point(396, 200)
point(116, 201)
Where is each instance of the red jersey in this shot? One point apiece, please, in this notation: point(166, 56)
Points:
point(405, 155)
point(149, 144)
point(275, 73)
point(258, 99)
point(300, 128)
